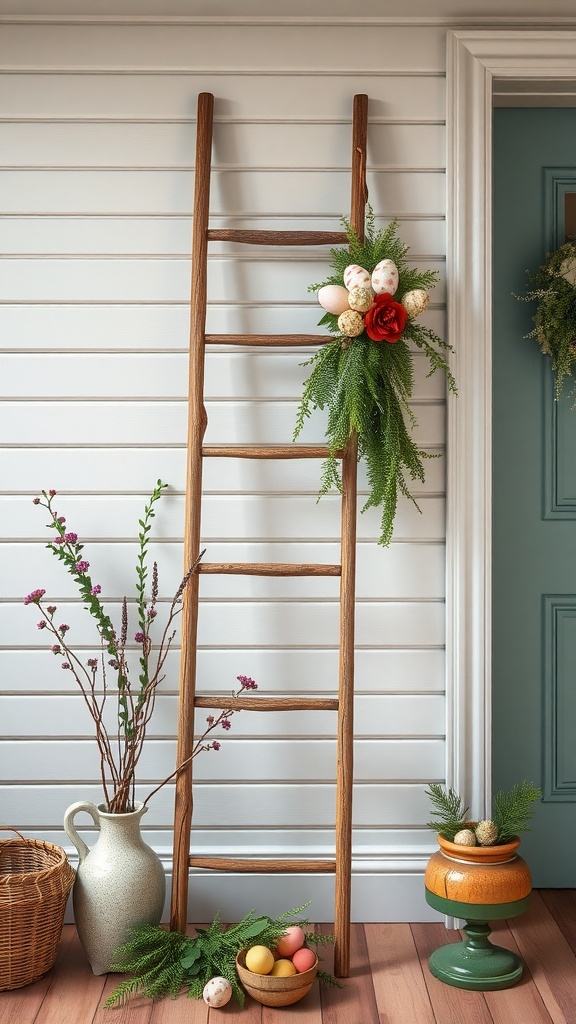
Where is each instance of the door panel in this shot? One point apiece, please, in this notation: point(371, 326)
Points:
point(534, 508)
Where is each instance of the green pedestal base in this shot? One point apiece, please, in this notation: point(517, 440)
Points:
point(475, 963)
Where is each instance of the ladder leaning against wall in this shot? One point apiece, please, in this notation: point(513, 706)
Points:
point(197, 452)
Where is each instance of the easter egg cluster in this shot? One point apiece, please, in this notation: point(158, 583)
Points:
point(289, 957)
point(362, 291)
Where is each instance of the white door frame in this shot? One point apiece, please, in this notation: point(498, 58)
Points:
point(475, 60)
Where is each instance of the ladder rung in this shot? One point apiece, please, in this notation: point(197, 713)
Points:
point(269, 569)
point(269, 703)
point(261, 865)
point(285, 451)
point(250, 237)
point(268, 340)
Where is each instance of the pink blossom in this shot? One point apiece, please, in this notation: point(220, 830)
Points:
point(82, 566)
point(41, 624)
point(34, 597)
point(210, 719)
point(52, 493)
point(226, 723)
point(139, 637)
point(215, 745)
point(63, 628)
point(51, 609)
point(56, 649)
point(71, 538)
point(247, 683)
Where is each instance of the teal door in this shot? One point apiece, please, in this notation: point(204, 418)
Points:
point(534, 510)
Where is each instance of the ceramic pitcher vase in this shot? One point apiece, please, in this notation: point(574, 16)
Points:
point(120, 882)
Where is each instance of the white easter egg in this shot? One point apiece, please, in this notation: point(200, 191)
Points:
point(217, 992)
point(333, 298)
point(356, 277)
point(385, 277)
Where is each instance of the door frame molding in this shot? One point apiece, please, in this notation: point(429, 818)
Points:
point(476, 60)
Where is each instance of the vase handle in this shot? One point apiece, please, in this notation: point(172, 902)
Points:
point(69, 827)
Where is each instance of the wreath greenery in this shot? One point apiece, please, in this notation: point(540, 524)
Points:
point(553, 286)
point(365, 380)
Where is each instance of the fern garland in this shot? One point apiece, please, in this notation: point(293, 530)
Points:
point(162, 963)
point(366, 385)
point(553, 287)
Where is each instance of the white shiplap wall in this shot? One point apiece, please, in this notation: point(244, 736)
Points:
point(98, 135)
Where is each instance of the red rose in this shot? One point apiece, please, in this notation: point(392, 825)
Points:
point(386, 319)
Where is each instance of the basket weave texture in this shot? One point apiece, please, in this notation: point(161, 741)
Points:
point(35, 880)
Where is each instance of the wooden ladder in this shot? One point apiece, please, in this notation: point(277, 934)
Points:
point(197, 452)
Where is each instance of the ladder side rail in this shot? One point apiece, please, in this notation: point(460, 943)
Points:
point(196, 430)
point(345, 740)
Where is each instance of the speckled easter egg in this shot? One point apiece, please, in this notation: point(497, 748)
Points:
point(217, 992)
point(350, 323)
point(333, 298)
point(356, 277)
point(385, 277)
point(415, 302)
point(361, 299)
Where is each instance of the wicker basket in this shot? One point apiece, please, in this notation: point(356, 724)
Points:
point(35, 879)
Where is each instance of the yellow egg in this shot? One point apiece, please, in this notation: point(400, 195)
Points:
point(283, 969)
point(259, 960)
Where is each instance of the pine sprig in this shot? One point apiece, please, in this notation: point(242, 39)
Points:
point(449, 814)
point(513, 810)
point(366, 387)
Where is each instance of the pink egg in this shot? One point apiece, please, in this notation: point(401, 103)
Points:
point(333, 298)
point(290, 942)
point(304, 959)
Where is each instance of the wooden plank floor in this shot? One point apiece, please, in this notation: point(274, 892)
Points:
point(389, 983)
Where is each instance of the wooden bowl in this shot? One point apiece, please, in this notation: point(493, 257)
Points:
point(275, 991)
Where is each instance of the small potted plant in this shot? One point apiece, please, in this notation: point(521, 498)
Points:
point(478, 875)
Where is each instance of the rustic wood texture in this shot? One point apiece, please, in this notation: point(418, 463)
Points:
point(269, 340)
point(295, 451)
point(389, 982)
point(252, 864)
point(346, 570)
point(268, 569)
point(196, 429)
point(345, 735)
point(277, 237)
point(270, 703)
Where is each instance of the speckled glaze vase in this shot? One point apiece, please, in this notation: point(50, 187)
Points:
point(120, 882)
